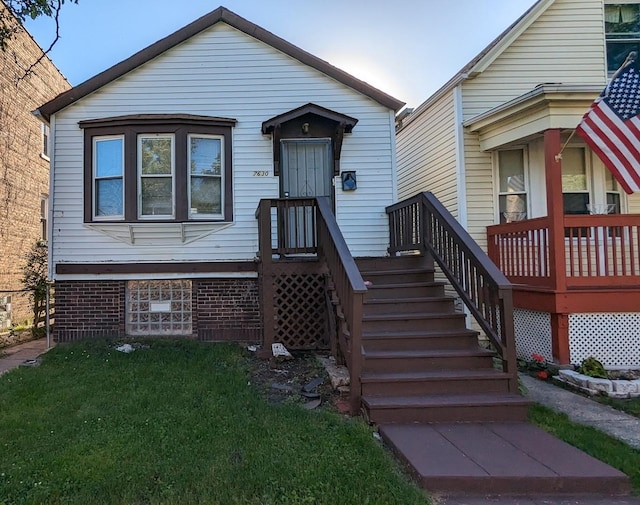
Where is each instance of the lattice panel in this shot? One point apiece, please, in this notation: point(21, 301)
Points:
point(159, 307)
point(533, 333)
point(301, 315)
point(612, 338)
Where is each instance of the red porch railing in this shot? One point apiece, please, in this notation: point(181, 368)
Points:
point(597, 251)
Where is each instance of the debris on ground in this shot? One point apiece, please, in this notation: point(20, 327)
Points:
point(301, 379)
point(126, 348)
point(280, 351)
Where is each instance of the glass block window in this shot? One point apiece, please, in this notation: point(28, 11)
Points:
point(159, 307)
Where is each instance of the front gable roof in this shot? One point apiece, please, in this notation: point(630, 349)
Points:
point(221, 14)
point(487, 55)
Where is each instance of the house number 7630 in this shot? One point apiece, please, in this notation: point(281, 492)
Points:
point(261, 173)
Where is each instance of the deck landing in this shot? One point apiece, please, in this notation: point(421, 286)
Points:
point(498, 458)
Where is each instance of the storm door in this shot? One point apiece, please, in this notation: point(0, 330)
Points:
point(307, 171)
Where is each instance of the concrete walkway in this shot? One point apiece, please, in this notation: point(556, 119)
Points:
point(17, 355)
point(585, 411)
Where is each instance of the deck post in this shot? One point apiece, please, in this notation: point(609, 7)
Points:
point(557, 251)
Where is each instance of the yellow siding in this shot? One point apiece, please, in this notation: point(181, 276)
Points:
point(479, 181)
point(564, 45)
point(427, 154)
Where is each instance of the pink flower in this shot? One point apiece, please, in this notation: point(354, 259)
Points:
point(537, 357)
point(543, 375)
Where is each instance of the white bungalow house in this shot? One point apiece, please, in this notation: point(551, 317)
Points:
point(496, 146)
point(160, 162)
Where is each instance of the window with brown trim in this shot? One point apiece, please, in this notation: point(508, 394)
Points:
point(160, 168)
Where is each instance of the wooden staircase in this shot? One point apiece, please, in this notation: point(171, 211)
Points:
point(442, 406)
point(420, 362)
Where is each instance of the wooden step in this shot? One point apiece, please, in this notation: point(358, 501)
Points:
point(405, 289)
point(413, 321)
point(434, 382)
point(482, 407)
point(499, 458)
point(394, 262)
point(413, 305)
point(420, 339)
point(408, 275)
point(425, 360)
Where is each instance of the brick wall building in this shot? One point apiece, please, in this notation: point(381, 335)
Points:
point(24, 163)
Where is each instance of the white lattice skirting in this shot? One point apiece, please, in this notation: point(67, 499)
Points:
point(533, 333)
point(611, 337)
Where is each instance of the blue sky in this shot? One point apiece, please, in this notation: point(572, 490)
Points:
point(407, 48)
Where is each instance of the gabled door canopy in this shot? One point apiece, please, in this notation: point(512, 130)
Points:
point(309, 121)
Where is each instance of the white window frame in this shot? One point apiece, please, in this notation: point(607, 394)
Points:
point(525, 168)
point(139, 176)
point(191, 214)
point(95, 178)
point(45, 131)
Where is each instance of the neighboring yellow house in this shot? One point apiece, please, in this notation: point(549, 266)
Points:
point(487, 144)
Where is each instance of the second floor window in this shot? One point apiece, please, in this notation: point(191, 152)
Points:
point(622, 32)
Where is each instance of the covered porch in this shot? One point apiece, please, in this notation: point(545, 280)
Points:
point(573, 252)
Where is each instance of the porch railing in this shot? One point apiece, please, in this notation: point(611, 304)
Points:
point(597, 251)
point(308, 226)
point(422, 223)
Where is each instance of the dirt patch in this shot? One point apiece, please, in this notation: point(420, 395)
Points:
point(301, 379)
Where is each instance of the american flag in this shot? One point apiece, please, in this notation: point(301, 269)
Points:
point(611, 127)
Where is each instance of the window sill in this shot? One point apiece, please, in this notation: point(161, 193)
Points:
point(142, 234)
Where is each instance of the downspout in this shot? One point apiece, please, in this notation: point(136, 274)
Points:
point(52, 154)
point(394, 158)
point(461, 171)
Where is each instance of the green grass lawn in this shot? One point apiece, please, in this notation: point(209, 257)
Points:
point(594, 442)
point(177, 422)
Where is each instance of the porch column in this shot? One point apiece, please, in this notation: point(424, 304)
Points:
point(557, 251)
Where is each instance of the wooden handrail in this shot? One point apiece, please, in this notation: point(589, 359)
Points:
point(350, 289)
point(422, 223)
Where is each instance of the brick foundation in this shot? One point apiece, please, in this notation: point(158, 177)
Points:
point(223, 309)
point(227, 309)
point(86, 309)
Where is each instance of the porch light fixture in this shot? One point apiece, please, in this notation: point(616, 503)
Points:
point(305, 128)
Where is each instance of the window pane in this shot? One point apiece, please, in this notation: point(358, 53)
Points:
point(206, 195)
point(574, 172)
point(511, 171)
point(157, 196)
point(575, 203)
point(108, 158)
point(205, 156)
point(614, 200)
point(610, 181)
point(513, 208)
point(156, 155)
point(109, 197)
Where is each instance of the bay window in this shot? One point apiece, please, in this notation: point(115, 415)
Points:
point(158, 168)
